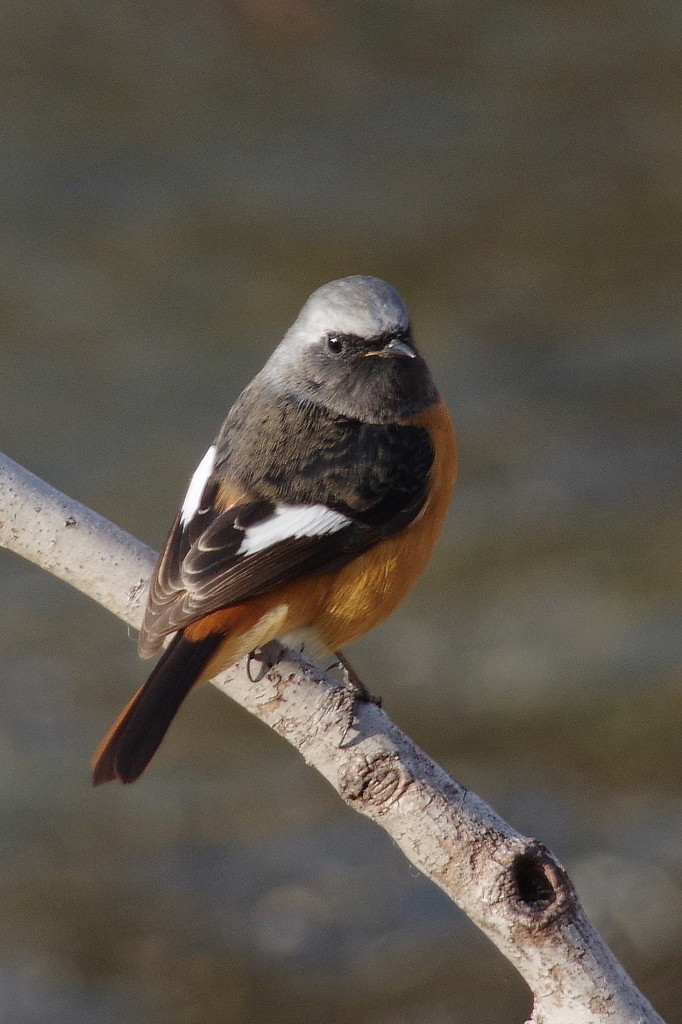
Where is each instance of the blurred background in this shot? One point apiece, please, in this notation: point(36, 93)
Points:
point(175, 179)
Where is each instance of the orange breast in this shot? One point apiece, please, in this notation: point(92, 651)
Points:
point(367, 590)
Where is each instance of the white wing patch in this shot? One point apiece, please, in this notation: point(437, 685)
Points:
point(288, 522)
point(196, 486)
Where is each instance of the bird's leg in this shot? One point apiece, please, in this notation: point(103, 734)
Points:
point(353, 683)
point(355, 692)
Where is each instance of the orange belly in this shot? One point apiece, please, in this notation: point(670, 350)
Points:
point(366, 591)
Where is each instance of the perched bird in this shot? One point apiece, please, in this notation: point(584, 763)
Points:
point(316, 508)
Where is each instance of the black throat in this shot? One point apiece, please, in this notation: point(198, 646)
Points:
point(301, 453)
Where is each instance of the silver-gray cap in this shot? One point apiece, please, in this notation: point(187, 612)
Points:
point(322, 357)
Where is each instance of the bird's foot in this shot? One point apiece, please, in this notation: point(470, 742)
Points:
point(353, 683)
point(264, 658)
point(357, 692)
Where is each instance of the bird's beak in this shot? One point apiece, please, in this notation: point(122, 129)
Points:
point(400, 348)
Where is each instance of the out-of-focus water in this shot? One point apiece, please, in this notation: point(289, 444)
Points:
point(174, 180)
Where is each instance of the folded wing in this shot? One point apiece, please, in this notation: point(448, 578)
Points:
point(227, 546)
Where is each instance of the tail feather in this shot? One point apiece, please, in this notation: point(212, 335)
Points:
point(134, 738)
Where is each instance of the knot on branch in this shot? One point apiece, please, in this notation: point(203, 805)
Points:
point(538, 885)
point(374, 781)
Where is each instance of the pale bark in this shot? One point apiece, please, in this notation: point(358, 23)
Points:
point(510, 886)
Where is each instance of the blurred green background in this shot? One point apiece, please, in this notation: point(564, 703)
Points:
point(175, 179)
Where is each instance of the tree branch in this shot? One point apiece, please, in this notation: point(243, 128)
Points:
point(510, 886)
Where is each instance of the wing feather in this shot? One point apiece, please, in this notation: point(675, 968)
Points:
point(205, 565)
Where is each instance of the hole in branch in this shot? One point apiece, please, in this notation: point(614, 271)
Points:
point(533, 882)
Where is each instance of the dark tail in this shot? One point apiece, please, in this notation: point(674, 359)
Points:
point(134, 738)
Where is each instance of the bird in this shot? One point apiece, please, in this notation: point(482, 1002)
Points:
point(315, 509)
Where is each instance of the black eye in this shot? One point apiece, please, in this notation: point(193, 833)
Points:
point(335, 343)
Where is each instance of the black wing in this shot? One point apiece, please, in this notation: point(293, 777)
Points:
point(218, 557)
